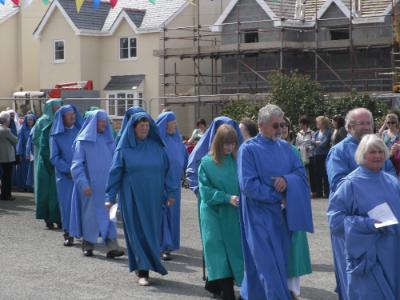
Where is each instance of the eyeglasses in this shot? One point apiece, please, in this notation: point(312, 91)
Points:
point(391, 123)
point(277, 125)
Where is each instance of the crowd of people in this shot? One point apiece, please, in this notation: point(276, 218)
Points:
point(253, 181)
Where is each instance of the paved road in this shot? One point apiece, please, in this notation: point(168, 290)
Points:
point(35, 265)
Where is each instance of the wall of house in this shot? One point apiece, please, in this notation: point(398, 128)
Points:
point(145, 63)
point(52, 73)
point(8, 60)
point(90, 58)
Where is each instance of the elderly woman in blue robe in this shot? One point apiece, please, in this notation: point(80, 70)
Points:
point(93, 152)
point(130, 112)
point(364, 213)
point(25, 160)
point(66, 125)
point(141, 176)
point(178, 156)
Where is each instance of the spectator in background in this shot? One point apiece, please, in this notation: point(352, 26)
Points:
point(339, 130)
point(304, 142)
point(389, 131)
point(248, 128)
point(197, 134)
point(7, 155)
point(322, 142)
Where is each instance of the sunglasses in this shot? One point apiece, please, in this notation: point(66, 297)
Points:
point(277, 125)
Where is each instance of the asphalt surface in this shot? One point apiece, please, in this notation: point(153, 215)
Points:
point(34, 264)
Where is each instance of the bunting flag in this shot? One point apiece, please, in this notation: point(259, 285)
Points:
point(96, 4)
point(113, 3)
point(2, 1)
point(45, 2)
point(79, 4)
point(16, 2)
point(152, 1)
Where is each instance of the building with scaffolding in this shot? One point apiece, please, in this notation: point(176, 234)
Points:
point(346, 45)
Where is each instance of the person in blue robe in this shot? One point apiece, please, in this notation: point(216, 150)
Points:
point(66, 125)
point(341, 162)
point(94, 108)
point(14, 127)
point(29, 156)
point(25, 160)
point(130, 112)
point(371, 253)
point(92, 155)
point(140, 175)
point(178, 157)
point(275, 201)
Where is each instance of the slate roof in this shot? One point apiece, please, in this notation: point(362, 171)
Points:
point(125, 82)
point(136, 15)
point(87, 18)
point(283, 8)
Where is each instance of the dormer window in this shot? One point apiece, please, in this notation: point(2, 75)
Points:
point(251, 36)
point(339, 34)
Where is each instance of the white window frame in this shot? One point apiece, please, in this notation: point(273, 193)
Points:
point(113, 110)
point(58, 61)
point(129, 48)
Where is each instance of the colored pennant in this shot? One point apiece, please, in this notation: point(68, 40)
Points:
point(96, 4)
point(2, 1)
point(16, 2)
point(113, 3)
point(45, 2)
point(152, 1)
point(79, 4)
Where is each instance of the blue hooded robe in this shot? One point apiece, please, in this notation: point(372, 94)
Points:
point(130, 112)
point(140, 175)
point(339, 163)
point(61, 140)
point(178, 157)
point(372, 255)
point(29, 153)
point(91, 163)
point(265, 225)
point(25, 163)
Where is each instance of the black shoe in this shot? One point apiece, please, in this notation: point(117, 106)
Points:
point(88, 253)
point(59, 225)
point(50, 226)
point(115, 253)
point(68, 242)
point(166, 256)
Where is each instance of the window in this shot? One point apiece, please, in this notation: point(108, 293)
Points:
point(339, 34)
point(59, 51)
point(119, 102)
point(127, 48)
point(251, 36)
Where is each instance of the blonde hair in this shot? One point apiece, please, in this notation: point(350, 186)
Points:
point(367, 142)
point(226, 134)
point(392, 117)
point(324, 121)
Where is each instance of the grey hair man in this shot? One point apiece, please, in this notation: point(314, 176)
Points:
point(341, 162)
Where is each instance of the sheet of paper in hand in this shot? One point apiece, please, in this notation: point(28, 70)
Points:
point(113, 213)
point(384, 215)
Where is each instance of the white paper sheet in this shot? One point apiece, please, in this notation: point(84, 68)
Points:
point(113, 213)
point(384, 215)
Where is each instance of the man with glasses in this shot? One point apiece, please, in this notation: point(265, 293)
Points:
point(340, 163)
point(275, 200)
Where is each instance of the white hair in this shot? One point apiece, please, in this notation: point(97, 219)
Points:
point(4, 117)
point(367, 142)
point(269, 110)
point(351, 115)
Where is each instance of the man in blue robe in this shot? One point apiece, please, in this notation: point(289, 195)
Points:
point(25, 161)
point(341, 162)
point(275, 200)
point(93, 152)
point(178, 157)
point(66, 125)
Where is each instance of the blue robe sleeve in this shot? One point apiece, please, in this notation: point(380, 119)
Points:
point(249, 180)
point(208, 193)
point(29, 147)
point(389, 168)
point(336, 167)
point(78, 167)
point(20, 150)
point(115, 177)
point(56, 157)
point(170, 185)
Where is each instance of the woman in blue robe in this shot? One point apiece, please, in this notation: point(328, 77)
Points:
point(130, 112)
point(29, 156)
point(372, 254)
point(25, 161)
point(93, 151)
point(66, 125)
point(178, 157)
point(140, 175)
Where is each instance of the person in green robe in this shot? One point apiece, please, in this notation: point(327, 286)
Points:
point(47, 207)
point(42, 188)
point(299, 257)
point(49, 109)
point(219, 215)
